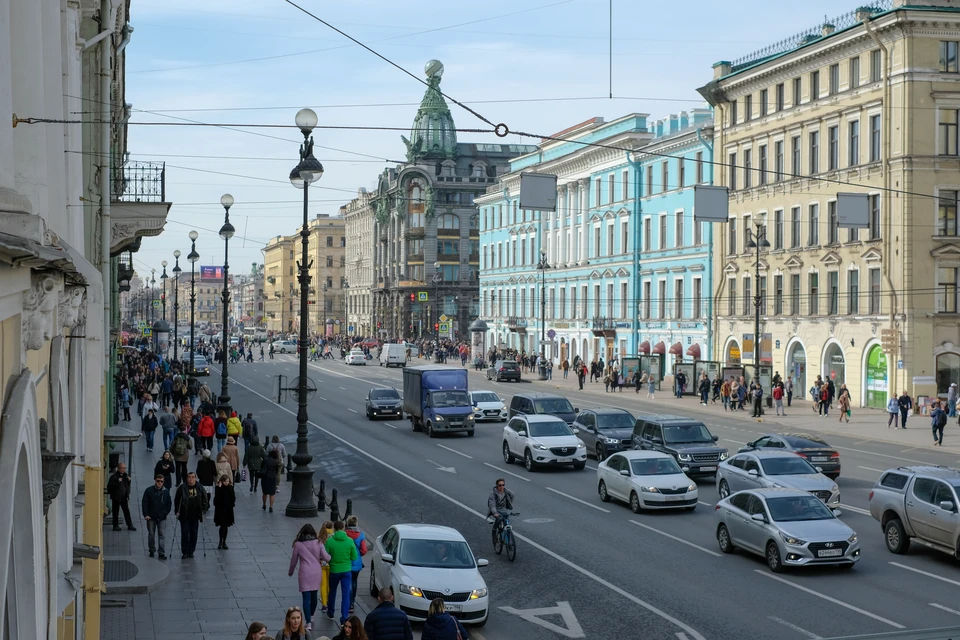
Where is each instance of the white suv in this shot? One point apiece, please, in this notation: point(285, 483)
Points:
point(542, 440)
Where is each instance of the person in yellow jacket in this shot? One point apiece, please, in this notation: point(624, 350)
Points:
point(234, 426)
point(325, 532)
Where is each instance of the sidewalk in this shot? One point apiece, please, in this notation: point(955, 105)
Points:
point(212, 597)
point(865, 423)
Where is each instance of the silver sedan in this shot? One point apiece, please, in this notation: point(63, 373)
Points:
point(765, 469)
point(788, 528)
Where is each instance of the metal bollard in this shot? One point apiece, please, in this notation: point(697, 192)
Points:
point(349, 511)
point(334, 506)
point(321, 496)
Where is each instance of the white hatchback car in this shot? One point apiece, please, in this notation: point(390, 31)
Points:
point(646, 480)
point(356, 357)
point(487, 405)
point(421, 562)
point(542, 440)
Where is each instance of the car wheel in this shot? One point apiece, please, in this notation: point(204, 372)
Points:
point(430, 432)
point(528, 462)
point(601, 453)
point(400, 416)
point(896, 538)
point(503, 419)
point(579, 466)
point(602, 490)
point(470, 433)
point(773, 557)
point(634, 502)
point(723, 490)
point(373, 583)
point(507, 456)
point(723, 539)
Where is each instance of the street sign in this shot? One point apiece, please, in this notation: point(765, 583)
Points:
point(156, 304)
point(337, 322)
point(899, 364)
point(422, 296)
point(142, 324)
point(147, 332)
point(444, 327)
point(551, 334)
point(890, 340)
point(444, 318)
point(350, 327)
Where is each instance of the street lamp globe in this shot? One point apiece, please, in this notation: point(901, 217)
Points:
point(176, 253)
point(436, 265)
point(163, 263)
point(227, 231)
point(193, 235)
point(310, 169)
point(295, 177)
point(306, 120)
point(226, 200)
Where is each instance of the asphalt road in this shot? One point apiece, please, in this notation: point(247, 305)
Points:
point(621, 575)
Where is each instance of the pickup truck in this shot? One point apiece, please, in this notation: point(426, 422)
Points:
point(435, 399)
point(918, 504)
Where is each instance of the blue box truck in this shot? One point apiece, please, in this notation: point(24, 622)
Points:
point(435, 399)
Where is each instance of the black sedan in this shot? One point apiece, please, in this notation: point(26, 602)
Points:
point(605, 431)
point(813, 448)
point(504, 370)
point(384, 402)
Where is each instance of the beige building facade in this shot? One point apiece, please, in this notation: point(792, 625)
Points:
point(280, 284)
point(359, 220)
point(328, 254)
point(866, 103)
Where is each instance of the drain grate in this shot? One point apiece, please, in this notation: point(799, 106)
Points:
point(118, 570)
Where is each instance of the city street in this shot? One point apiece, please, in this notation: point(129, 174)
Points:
point(590, 569)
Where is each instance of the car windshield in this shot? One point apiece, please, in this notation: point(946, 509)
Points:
point(798, 509)
point(449, 398)
point(654, 467)
point(554, 405)
point(199, 360)
point(485, 396)
point(805, 442)
point(384, 394)
point(686, 434)
point(615, 421)
point(551, 428)
point(438, 554)
point(786, 466)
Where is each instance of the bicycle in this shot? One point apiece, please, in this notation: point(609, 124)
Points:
point(502, 534)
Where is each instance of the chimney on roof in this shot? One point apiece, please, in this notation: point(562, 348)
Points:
point(674, 123)
point(864, 13)
point(721, 69)
point(827, 29)
point(659, 133)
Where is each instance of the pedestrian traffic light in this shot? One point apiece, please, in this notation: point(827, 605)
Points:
point(436, 326)
point(413, 297)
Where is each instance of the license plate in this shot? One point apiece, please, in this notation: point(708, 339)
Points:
point(452, 607)
point(819, 459)
point(829, 553)
point(708, 468)
point(673, 498)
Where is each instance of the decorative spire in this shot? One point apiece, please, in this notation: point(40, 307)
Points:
point(433, 134)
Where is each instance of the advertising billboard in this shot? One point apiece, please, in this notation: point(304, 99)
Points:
point(211, 273)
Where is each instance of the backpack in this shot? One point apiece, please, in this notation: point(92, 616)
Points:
point(221, 428)
point(179, 447)
point(941, 419)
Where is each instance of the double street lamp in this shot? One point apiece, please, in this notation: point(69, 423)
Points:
point(153, 293)
point(226, 232)
point(192, 257)
point(758, 241)
point(163, 297)
point(543, 265)
point(308, 171)
point(176, 302)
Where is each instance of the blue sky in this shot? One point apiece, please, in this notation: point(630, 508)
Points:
point(203, 60)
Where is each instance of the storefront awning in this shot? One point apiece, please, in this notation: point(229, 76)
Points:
point(694, 351)
point(660, 348)
point(677, 349)
point(644, 347)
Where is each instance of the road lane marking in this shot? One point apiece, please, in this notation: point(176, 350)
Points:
point(865, 512)
point(871, 469)
point(823, 596)
point(583, 502)
point(352, 410)
point(883, 455)
point(943, 608)
point(343, 388)
point(706, 504)
point(790, 625)
point(591, 468)
point(681, 540)
point(493, 466)
point(733, 441)
point(926, 573)
point(459, 453)
point(571, 627)
point(389, 425)
point(692, 633)
point(322, 398)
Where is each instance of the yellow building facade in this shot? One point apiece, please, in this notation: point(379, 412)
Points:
point(280, 283)
point(866, 103)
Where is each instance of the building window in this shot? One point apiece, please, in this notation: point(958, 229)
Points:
point(853, 235)
point(814, 152)
point(834, 87)
point(646, 299)
point(947, 289)
point(697, 233)
point(833, 148)
point(664, 176)
point(763, 102)
point(733, 113)
point(874, 276)
point(678, 229)
point(748, 108)
point(624, 238)
point(875, 69)
point(697, 301)
point(329, 241)
point(794, 294)
point(699, 167)
point(731, 296)
point(448, 221)
point(747, 168)
point(681, 173)
point(833, 301)
point(797, 91)
point(732, 172)
point(624, 313)
point(874, 228)
point(853, 143)
point(854, 72)
point(778, 295)
point(795, 227)
point(678, 298)
point(662, 299)
point(813, 227)
point(747, 231)
point(778, 98)
point(947, 212)
point(762, 162)
point(948, 370)
point(813, 294)
point(563, 303)
point(732, 232)
point(610, 246)
point(874, 138)
point(814, 85)
point(646, 234)
point(662, 240)
point(650, 180)
point(795, 170)
point(625, 185)
point(948, 56)
point(596, 185)
point(596, 242)
point(584, 303)
point(948, 132)
point(833, 223)
point(853, 292)
point(747, 297)
point(778, 229)
point(778, 160)
point(611, 189)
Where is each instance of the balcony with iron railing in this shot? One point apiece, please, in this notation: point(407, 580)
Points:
point(601, 326)
point(139, 204)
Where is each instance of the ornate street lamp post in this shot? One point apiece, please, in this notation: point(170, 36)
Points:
point(153, 287)
point(176, 302)
point(758, 241)
point(543, 265)
point(226, 232)
point(163, 296)
point(309, 170)
point(192, 257)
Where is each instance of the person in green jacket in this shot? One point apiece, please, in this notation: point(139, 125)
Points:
point(253, 457)
point(343, 553)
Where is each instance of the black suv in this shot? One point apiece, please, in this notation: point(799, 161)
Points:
point(543, 404)
point(504, 370)
point(687, 440)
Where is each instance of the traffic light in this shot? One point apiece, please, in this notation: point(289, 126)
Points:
point(436, 326)
point(413, 297)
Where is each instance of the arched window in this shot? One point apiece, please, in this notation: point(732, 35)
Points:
point(415, 198)
point(448, 221)
point(948, 370)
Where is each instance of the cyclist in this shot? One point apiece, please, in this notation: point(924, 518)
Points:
point(500, 502)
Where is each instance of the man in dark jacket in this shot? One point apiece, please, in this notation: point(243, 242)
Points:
point(155, 507)
point(189, 506)
point(386, 622)
point(249, 430)
point(119, 489)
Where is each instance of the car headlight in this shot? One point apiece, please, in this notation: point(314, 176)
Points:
point(797, 542)
point(611, 441)
point(684, 457)
point(580, 444)
point(541, 447)
point(440, 418)
point(723, 456)
point(470, 418)
point(692, 487)
point(413, 591)
point(478, 593)
point(649, 489)
point(853, 538)
point(834, 489)
point(476, 409)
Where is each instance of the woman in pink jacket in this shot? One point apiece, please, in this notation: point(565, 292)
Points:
point(310, 553)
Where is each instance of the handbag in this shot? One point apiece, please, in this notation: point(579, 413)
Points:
point(243, 475)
